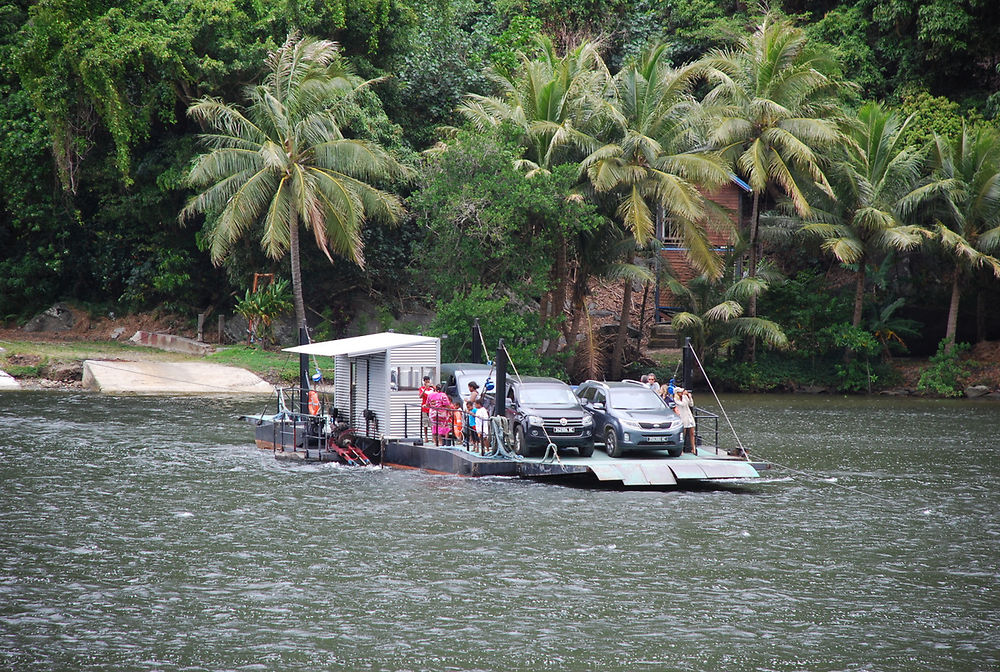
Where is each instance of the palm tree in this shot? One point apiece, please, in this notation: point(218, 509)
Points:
point(553, 102)
point(968, 215)
point(875, 186)
point(775, 105)
point(648, 165)
point(284, 161)
point(716, 318)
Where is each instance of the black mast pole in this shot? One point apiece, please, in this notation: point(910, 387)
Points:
point(477, 343)
point(687, 363)
point(501, 362)
point(303, 373)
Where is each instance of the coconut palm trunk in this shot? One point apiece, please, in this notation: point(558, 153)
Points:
point(952, 325)
point(752, 271)
point(558, 303)
point(859, 292)
point(293, 252)
point(618, 353)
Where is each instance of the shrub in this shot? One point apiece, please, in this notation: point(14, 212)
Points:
point(941, 378)
point(262, 307)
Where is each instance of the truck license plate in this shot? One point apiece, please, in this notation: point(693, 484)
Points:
point(562, 430)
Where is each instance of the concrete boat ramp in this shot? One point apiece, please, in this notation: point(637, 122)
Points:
point(200, 378)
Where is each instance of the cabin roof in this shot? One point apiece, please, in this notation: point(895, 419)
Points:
point(361, 345)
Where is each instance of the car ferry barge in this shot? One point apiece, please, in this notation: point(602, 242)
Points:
point(371, 415)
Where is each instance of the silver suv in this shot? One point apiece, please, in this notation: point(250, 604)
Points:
point(630, 416)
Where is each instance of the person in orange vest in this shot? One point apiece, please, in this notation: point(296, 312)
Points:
point(456, 424)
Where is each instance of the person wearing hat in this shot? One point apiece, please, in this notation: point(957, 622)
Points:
point(684, 407)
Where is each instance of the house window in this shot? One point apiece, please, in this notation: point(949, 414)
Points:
point(667, 234)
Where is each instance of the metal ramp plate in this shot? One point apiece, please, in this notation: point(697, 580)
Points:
point(634, 473)
point(728, 469)
point(686, 470)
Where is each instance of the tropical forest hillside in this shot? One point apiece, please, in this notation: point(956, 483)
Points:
point(519, 161)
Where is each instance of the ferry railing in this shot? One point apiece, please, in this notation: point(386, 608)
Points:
point(414, 412)
point(709, 418)
point(302, 427)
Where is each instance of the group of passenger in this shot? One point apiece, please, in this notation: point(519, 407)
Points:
point(447, 422)
point(680, 401)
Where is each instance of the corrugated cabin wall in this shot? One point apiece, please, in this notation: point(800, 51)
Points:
point(376, 382)
point(404, 404)
point(342, 386)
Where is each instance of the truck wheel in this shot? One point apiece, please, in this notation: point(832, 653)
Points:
point(587, 449)
point(520, 444)
point(611, 445)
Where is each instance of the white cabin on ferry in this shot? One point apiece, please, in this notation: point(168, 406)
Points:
point(376, 378)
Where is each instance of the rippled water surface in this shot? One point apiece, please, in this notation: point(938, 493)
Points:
point(149, 534)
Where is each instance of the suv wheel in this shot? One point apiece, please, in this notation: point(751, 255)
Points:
point(520, 444)
point(611, 445)
point(587, 449)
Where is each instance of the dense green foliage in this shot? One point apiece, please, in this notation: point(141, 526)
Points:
point(497, 320)
point(946, 368)
point(95, 148)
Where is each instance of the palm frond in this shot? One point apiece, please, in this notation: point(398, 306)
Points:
point(687, 323)
point(723, 312)
point(765, 330)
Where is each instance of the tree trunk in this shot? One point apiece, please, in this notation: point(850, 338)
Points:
point(754, 226)
point(859, 301)
point(752, 271)
point(619, 350)
point(956, 294)
point(642, 319)
point(981, 315)
point(293, 249)
point(859, 293)
point(558, 305)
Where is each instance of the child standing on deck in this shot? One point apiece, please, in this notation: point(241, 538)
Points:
point(471, 437)
point(482, 426)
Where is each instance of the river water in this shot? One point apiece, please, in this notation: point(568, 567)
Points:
point(150, 534)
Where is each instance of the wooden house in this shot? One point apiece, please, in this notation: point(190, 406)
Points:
point(735, 198)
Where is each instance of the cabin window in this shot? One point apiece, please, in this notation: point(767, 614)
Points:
point(405, 378)
point(410, 377)
point(431, 372)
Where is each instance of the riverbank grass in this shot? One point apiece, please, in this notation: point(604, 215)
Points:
point(36, 359)
point(269, 365)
